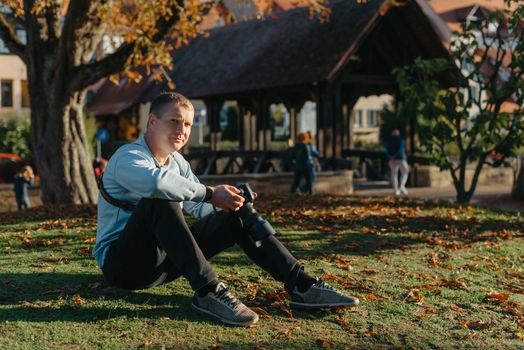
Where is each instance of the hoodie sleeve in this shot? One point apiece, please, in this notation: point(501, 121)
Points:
point(135, 172)
point(195, 209)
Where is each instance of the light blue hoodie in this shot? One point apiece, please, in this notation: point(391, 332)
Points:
point(134, 173)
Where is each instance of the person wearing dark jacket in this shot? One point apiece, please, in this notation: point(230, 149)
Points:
point(304, 164)
point(22, 180)
point(396, 153)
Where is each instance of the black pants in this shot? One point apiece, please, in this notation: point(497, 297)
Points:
point(157, 246)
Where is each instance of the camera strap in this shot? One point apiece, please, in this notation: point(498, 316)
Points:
point(111, 200)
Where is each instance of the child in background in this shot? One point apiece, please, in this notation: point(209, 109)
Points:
point(23, 179)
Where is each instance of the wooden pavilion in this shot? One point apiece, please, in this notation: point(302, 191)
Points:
point(290, 58)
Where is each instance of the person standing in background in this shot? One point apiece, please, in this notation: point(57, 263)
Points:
point(396, 153)
point(23, 179)
point(304, 164)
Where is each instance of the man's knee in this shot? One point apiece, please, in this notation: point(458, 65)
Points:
point(232, 220)
point(231, 223)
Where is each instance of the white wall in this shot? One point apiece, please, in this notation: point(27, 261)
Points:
point(12, 68)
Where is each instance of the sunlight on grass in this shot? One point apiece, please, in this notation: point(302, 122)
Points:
point(429, 275)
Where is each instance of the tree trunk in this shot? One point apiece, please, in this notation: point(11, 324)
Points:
point(517, 191)
point(463, 197)
point(61, 149)
point(459, 182)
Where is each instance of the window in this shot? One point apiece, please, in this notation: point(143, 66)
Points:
point(3, 48)
point(25, 93)
point(359, 118)
point(474, 93)
point(7, 93)
point(372, 118)
point(22, 35)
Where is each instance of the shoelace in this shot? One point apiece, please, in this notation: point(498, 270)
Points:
point(323, 285)
point(224, 296)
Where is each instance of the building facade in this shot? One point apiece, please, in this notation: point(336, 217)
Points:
point(14, 91)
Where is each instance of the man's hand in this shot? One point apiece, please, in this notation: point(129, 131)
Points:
point(227, 197)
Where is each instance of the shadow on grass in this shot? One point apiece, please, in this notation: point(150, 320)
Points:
point(46, 297)
point(50, 212)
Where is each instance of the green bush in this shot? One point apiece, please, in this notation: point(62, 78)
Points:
point(15, 135)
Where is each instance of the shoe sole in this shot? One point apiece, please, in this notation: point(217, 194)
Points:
point(218, 318)
point(304, 306)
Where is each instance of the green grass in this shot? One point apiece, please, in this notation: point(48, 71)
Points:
point(421, 269)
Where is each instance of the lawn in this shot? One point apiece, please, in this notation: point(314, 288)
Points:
point(429, 275)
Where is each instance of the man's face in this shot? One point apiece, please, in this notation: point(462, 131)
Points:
point(171, 130)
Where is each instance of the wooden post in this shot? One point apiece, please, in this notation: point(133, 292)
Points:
point(325, 132)
point(336, 124)
point(263, 127)
point(293, 122)
point(350, 100)
point(319, 99)
point(213, 107)
point(242, 139)
point(293, 106)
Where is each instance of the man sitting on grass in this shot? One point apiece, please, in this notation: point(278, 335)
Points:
point(143, 239)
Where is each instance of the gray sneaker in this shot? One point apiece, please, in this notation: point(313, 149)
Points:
point(223, 306)
point(320, 295)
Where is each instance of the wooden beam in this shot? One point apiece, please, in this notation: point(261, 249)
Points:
point(213, 107)
point(370, 80)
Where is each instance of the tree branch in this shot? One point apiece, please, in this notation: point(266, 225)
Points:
point(87, 74)
point(11, 41)
point(52, 21)
point(76, 16)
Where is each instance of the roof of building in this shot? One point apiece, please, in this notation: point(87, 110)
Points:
point(442, 6)
point(287, 49)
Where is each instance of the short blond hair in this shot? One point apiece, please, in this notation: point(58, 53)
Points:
point(165, 98)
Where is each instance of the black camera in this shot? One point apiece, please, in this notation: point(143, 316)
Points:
point(256, 227)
